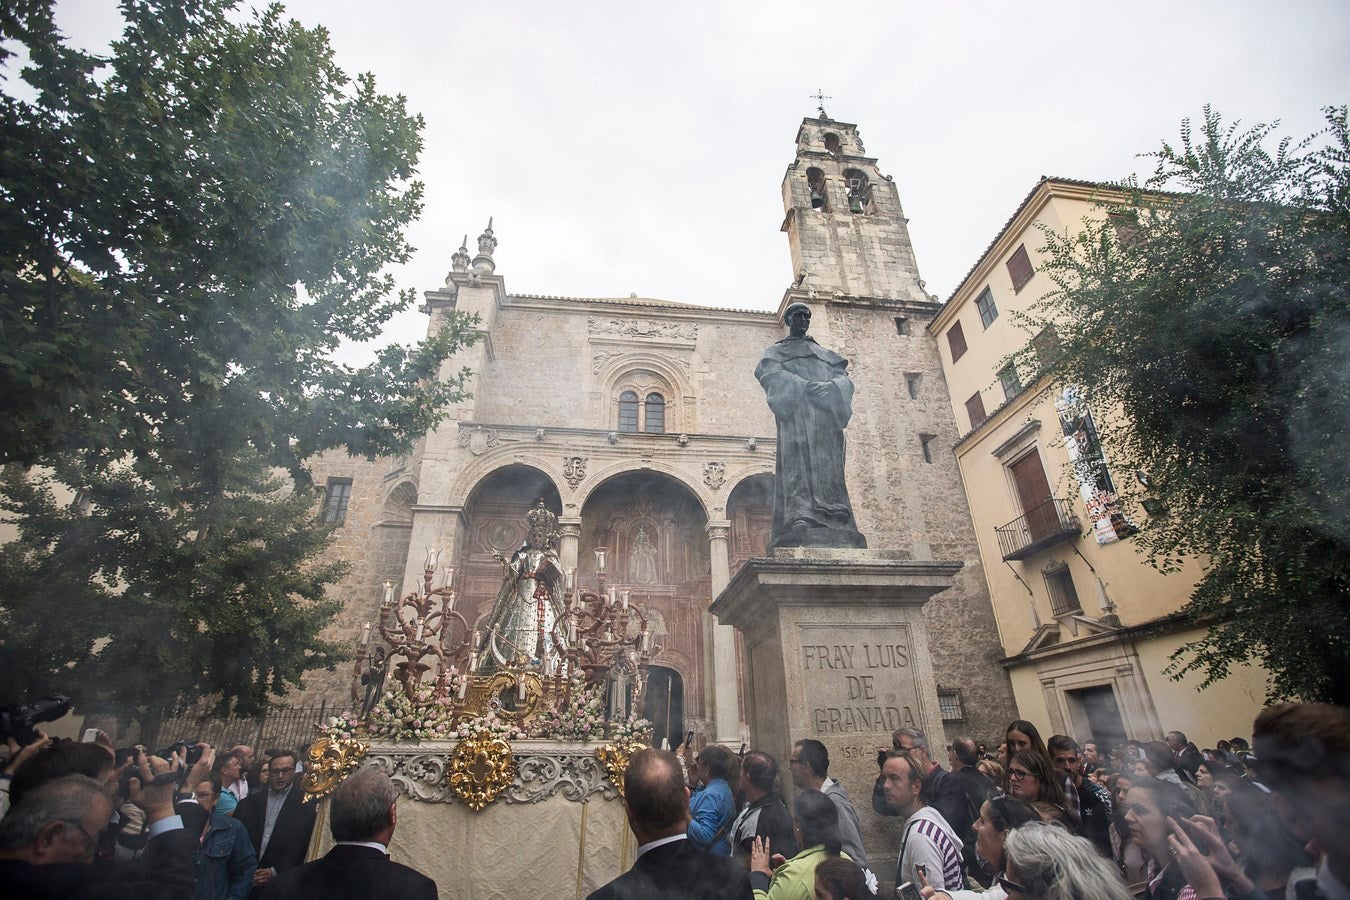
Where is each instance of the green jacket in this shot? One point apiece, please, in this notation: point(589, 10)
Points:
point(794, 879)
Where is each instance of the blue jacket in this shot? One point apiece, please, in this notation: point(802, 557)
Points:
point(711, 811)
point(225, 861)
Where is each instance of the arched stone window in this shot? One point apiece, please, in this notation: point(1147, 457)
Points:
point(859, 191)
point(655, 419)
point(832, 143)
point(628, 411)
point(815, 183)
point(644, 392)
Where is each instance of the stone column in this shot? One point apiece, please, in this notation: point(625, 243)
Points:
point(725, 686)
point(438, 527)
point(569, 540)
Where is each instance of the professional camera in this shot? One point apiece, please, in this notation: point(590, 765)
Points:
point(17, 720)
point(190, 757)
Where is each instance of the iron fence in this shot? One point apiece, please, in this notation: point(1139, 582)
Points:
point(289, 727)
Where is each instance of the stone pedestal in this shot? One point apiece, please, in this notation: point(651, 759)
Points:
point(837, 650)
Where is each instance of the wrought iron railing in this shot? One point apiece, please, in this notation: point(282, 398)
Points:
point(1039, 527)
point(289, 727)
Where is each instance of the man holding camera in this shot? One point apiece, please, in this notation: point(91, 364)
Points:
point(49, 839)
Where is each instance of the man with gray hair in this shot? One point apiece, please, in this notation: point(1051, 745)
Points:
point(48, 841)
point(362, 815)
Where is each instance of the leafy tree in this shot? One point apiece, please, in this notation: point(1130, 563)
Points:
point(188, 229)
point(116, 599)
point(1206, 317)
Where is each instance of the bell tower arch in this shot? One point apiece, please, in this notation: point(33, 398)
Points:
point(846, 229)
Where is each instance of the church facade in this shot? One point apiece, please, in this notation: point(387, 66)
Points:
point(641, 426)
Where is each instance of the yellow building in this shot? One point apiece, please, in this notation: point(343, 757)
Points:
point(1087, 625)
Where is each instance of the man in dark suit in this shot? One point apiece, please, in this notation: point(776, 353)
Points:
point(656, 801)
point(362, 818)
point(48, 840)
point(278, 823)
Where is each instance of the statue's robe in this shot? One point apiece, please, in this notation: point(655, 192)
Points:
point(809, 492)
point(531, 575)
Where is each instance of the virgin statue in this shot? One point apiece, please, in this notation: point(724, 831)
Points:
point(529, 603)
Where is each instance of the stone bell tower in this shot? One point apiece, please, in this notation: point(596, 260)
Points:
point(845, 226)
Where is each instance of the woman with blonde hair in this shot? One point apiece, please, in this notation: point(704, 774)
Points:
point(994, 772)
point(1045, 862)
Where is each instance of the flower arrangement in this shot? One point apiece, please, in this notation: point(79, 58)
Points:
point(581, 719)
point(507, 729)
point(340, 728)
point(633, 729)
point(424, 717)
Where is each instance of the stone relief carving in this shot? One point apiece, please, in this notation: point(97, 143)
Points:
point(600, 357)
point(684, 331)
point(714, 474)
point(480, 440)
point(543, 768)
point(574, 470)
point(642, 558)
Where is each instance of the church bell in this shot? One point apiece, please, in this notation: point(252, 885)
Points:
point(817, 201)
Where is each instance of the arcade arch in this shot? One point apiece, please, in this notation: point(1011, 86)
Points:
point(655, 530)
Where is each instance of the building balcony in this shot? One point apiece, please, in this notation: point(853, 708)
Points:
point(1050, 523)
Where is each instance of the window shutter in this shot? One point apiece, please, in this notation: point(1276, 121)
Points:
point(956, 340)
point(1019, 267)
point(975, 409)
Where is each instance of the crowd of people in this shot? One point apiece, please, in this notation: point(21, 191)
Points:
point(1032, 818)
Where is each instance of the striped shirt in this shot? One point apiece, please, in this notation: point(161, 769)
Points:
point(929, 841)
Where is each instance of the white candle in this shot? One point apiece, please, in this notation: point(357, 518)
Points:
point(570, 579)
point(473, 661)
point(520, 688)
point(365, 635)
point(463, 685)
point(571, 633)
point(388, 593)
point(420, 625)
point(625, 601)
point(612, 595)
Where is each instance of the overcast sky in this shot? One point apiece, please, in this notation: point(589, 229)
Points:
point(630, 147)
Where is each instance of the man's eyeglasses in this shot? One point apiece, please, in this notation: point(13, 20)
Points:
point(1012, 886)
point(90, 843)
point(1018, 774)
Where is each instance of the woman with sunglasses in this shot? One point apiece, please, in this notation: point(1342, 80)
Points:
point(999, 815)
point(1033, 779)
point(1044, 862)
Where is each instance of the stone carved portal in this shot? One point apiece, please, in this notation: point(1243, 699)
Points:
point(750, 509)
point(655, 530)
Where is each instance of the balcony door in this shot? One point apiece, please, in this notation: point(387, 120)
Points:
point(1033, 492)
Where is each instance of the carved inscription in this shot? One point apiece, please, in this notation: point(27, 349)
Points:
point(857, 681)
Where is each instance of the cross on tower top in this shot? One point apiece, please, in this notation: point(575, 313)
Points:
point(820, 97)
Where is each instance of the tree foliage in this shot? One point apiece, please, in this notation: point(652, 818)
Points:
point(1207, 315)
point(189, 228)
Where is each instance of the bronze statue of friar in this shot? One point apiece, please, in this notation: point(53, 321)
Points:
point(811, 396)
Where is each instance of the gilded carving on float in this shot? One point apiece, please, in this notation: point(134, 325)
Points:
point(481, 767)
point(509, 694)
point(330, 761)
point(614, 759)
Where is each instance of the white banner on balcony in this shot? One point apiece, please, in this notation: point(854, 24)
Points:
point(1089, 466)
